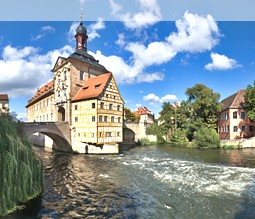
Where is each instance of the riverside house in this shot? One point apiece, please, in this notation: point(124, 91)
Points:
point(233, 122)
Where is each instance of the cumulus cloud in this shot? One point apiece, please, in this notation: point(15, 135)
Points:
point(44, 31)
point(149, 14)
point(126, 73)
point(152, 98)
point(194, 33)
point(23, 70)
point(221, 62)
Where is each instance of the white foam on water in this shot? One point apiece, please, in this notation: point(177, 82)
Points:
point(104, 175)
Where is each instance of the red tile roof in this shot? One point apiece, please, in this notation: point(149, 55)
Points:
point(143, 111)
point(4, 97)
point(42, 92)
point(234, 101)
point(93, 87)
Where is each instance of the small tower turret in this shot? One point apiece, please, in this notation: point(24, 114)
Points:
point(81, 37)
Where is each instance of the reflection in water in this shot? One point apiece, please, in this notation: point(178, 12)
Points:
point(147, 182)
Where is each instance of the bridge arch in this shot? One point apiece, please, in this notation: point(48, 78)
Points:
point(58, 132)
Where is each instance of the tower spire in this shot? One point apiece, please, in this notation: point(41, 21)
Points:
point(81, 35)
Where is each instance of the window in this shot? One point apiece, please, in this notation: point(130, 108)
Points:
point(100, 134)
point(105, 119)
point(84, 134)
point(118, 134)
point(102, 105)
point(92, 135)
point(65, 92)
point(93, 106)
point(81, 75)
point(76, 119)
point(119, 119)
point(110, 86)
point(251, 128)
point(243, 115)
point(64, 75)
point(118, 107)
point(79, 134)
point(51, 116)
point(47, 117)
point(243, 128)
point(110, 106)
point(97, 86)
point(112, 119)
point(235, 129)
point(75, 107)
point(58, 93)
point(235, 115)
point(100, 118)
point(93, 118)
point(108, 134)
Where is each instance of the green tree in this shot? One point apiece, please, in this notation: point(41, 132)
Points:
point(167, 119)
point(249, 101)
point(130, 116)
point(204, 103)
point(154, 129)
point(206, 138)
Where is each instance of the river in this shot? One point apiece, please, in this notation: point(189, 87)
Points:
point(147, 182)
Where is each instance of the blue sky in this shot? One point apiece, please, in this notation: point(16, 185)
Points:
point(153, 58)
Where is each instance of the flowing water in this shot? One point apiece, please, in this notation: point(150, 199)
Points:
point(147, 182)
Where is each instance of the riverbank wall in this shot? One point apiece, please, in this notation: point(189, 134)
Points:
point(239, 143)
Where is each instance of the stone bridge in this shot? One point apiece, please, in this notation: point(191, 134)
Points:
point(59, 132)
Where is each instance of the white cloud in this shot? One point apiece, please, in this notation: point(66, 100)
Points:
point(194, 33)
point(44, 31)
point(168, 98)
point(125, 73)
point(121, 40)
point(221, 62)
point(23, 70)
point(149, 14)
point(138, 105)
point(92, 30)
point(153, 99)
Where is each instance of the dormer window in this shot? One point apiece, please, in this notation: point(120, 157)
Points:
point(97, 86)
point(85, 88)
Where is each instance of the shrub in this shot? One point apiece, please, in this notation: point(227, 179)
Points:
point(179, 137)
point(206, 138)
point(145, 141)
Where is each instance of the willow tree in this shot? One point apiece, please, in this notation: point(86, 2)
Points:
point(20, 171)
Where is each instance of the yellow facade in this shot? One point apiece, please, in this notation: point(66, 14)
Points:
point(99, 120)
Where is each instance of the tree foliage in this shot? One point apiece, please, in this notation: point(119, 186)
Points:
point(130, 116)
point(20, 171)
point(249, 101)
point(206, 138)
point(154, 129)
point(204, 103)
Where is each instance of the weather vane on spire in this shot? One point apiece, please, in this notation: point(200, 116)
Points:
point(81, 15)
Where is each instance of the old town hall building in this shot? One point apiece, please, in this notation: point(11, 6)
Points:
point(84, 94)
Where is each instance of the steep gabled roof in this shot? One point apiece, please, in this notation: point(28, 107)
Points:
point(143, 111)
point(234, 101)
point(4, 97)
point(42, 92)
point(93, 87)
